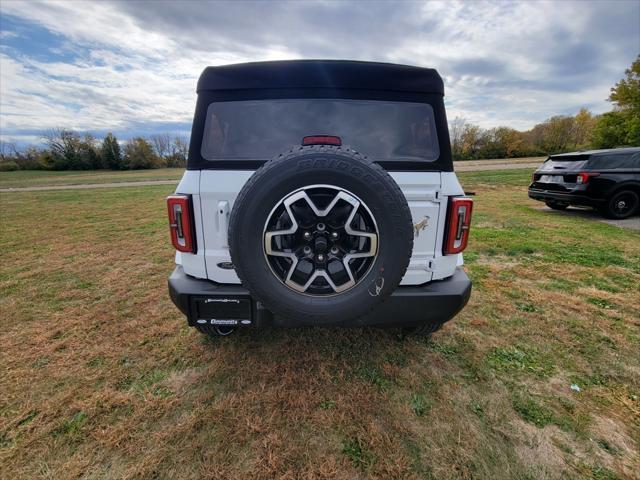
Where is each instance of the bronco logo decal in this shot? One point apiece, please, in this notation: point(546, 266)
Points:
point(418, 227)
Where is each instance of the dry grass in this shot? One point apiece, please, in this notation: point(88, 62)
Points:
point(101, 377)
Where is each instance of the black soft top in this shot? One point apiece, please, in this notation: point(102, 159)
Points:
point(318, 74)
point(318, 79)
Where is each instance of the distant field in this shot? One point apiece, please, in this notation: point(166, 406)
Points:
point(501, 160)
point(30, 178)
point(497, 178)
point(102, 378)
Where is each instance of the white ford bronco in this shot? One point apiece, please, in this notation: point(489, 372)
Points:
point(319, 193)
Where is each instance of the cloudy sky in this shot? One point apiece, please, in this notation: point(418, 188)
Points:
point(131, 67)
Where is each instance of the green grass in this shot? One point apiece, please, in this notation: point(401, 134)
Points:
point(531, 411)
point(599, 472)
point(420, 404)
point(517, 177)
point(328, 404)
point(72, 426)
point(32, 178)
point(516, 359)
point(101, 376)
point(358, 453)
point(373, 375)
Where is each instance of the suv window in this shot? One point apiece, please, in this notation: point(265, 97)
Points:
point(613, 161)
point(261, 129)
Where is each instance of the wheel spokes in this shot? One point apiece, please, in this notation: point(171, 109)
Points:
point(365, 249)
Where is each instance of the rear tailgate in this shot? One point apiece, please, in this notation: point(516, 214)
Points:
point(219, 188)
point(422, 191)
point(559, 176)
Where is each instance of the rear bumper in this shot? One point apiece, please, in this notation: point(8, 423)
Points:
point(562, 197)
point(203, 301)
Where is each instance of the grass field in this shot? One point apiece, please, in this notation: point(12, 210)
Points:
point(102, 378)
point(30, 178)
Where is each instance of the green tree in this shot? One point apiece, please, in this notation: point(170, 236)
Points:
point(471, 137)
point(455, 135)
point(88, 153)
point(64, 150)
point(110, 153)
point(626, 93)
point(557, 134)
point(178, 153)
point(583, 125)
point(614, 129)
point(621, 127)
point(68, 151)
point(162, 145)
point(501, 142)
point(138, 153)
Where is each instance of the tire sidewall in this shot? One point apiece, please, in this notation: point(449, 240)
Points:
point(557, 206)
point(611, 213)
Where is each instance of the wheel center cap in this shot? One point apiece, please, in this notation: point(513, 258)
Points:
point(320, 244)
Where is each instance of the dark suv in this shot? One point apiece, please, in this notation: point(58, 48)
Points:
point(608, 180)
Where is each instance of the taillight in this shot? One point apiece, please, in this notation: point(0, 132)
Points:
point(458, 224)
point(181, 223)
point(585, 176)
point(322, 140)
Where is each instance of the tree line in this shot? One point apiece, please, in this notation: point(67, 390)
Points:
point(555, 135)
point(68, 150)
point(618, 128)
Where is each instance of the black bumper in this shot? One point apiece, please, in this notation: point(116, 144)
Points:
point(562, 197)
point(203, 301)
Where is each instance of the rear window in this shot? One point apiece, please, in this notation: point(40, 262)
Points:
point(613, 161)
point(261, 129)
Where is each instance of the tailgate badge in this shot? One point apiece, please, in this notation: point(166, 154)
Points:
point(421, 225)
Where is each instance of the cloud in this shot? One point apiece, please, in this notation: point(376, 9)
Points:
point(131, 67)
point(7, 34)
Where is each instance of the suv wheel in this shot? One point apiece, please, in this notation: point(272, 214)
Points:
point(621, 205)
point(422, 330)
point(556, 205)
point(321, 235)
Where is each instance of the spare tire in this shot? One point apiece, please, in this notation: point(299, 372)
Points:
point(320, 235)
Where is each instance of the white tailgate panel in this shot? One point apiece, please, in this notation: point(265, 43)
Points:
point(216, 188)
point(421, 191)
point(219, 188)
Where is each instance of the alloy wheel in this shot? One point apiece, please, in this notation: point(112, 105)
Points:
point(320, 240)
